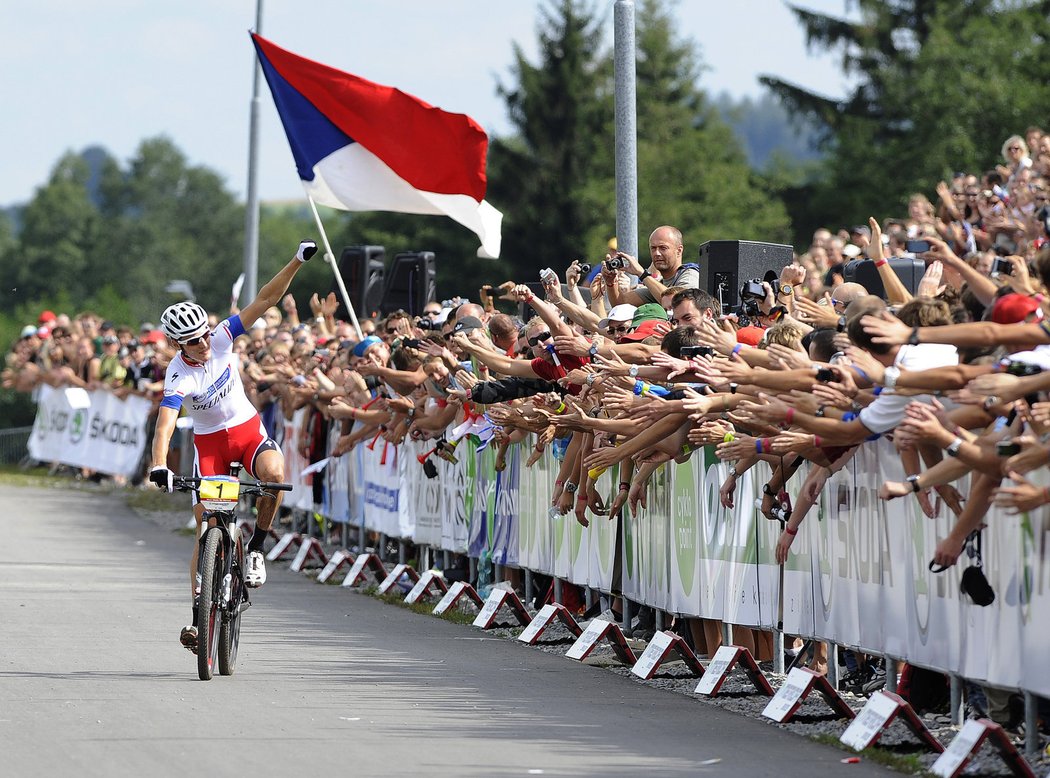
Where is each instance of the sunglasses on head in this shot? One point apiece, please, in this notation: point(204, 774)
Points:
point(535, 340)
point(195, 341)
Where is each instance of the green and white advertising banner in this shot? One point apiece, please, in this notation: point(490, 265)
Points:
point(96, 430)
point(857, 573)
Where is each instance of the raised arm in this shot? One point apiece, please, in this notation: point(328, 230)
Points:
point(274, 289)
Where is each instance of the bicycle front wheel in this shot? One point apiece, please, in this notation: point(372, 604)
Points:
point(230, 630)
point(208, 607)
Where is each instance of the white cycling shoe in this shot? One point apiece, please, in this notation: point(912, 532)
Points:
point(255, 574)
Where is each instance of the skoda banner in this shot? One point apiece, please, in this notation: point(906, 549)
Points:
point(105, 433)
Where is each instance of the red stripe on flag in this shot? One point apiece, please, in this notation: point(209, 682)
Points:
point(433, 150)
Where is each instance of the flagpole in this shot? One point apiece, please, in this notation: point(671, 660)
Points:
point(329, 257)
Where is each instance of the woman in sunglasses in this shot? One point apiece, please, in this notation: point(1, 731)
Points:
point(205, 377)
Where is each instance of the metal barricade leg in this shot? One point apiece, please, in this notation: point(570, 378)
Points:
point(834, 676)
point(778, 652)
point(891, 674)
point(956, 691)
point(529, 594)
point(1031, 726)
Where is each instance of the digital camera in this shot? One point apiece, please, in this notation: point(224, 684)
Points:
point(616, 263)
point(753, 289)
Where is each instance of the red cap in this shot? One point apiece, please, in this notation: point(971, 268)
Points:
point(46, 316)
point(647, 329)
point(156, 336)
point(750, 336)
point(1013, 308)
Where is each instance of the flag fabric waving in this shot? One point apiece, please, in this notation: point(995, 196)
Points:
point(361, 146)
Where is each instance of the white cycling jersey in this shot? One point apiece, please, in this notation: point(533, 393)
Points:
point(213, 391)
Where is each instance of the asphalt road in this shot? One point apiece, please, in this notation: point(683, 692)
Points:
point(93, 680)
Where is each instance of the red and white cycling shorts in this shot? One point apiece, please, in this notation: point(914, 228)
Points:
point(215, 451)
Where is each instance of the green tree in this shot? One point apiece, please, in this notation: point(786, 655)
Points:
point(939, 85)
point(60, 228)
point(163, 220)
point(561, 111)
point(692, 169)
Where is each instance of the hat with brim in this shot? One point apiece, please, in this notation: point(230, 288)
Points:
point(649, 312)
point(467, 324)
point(648, 329)
point(1013, 308)
point(622, 312)
point(750, 336)
point(362, 348)
point(28, 331)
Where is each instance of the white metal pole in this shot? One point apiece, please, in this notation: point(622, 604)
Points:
point(626, 144)
point(330, 259)
point(251, 208)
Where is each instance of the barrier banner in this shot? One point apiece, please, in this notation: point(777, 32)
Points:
point(457, 484)
point(601, 537)
point(426, 494)
point(862, 580)
point(503, 545)
point(382, 488)
point(106, 434)
point(337, 482)
point(482, 515)
point(301, 495)
point(535, 526)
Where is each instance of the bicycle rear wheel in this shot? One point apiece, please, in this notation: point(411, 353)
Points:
point(230, 630)
point(208, 616)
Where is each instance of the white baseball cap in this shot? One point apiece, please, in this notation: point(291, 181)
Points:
point(622, 312)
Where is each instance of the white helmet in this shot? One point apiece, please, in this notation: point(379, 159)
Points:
point(183, 321)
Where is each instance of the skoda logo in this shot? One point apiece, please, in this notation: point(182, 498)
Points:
point(77, 426)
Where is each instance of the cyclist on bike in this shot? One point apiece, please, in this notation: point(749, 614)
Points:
point(205, 376)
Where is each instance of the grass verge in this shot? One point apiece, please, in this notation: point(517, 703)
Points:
point(901, 762)
point(453, 614)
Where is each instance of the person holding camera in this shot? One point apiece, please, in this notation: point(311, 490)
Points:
point(666, 270)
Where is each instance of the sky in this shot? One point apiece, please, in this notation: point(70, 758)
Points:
point(115, 72)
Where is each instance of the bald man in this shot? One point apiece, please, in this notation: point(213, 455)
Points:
point(667, 270)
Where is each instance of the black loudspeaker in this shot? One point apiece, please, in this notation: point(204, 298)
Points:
point(725, 265)
point(364, 270)
point(411, 283)
point(909, 270)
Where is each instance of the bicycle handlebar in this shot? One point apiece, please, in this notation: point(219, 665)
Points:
point(185, 484)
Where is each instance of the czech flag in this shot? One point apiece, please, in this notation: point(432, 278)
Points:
point(361, 146)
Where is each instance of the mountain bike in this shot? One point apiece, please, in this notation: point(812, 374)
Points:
point(220, 567)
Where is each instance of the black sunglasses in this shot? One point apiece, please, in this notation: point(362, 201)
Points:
point(195, 341)
point(625, 328)
point(537, 339)
point(391, 331)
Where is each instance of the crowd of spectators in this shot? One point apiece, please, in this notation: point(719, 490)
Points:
point(632, 363)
